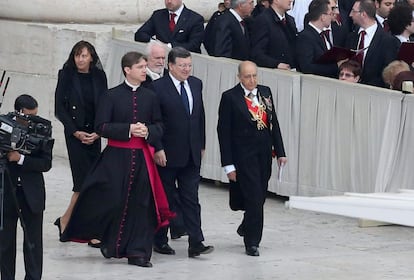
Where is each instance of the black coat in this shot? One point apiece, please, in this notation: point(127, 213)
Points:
point(382, 50)
point(272, 42)
point(188, 32)
point(230, 40)
point(71, 109)
point(309, 47)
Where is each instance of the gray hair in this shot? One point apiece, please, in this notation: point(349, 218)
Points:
point(235, 3)
point(153, 43)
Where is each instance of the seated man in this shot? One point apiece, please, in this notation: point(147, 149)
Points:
point(350, 71)
point(175, 25)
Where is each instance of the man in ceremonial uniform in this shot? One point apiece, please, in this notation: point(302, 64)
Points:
point(249, 135)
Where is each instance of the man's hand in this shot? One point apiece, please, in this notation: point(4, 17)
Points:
point(281, 161)
point(232, 176)
point(138, 129)
point(160, 158)
point(283, 66)
point(13, 156)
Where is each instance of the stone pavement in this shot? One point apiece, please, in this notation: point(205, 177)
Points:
point(296, 245)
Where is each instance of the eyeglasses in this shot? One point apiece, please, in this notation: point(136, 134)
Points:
point(355, 11)
point(182, 66)
point(346, 75)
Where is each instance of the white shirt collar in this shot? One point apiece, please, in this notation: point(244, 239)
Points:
point(176, 82)
point(314, 27)
point(134, 87)
point(177, 12)
point(246, 91)
point(236, 15)
point(402, 38)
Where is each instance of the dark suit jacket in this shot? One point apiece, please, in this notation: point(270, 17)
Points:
point(184, 135)
point(237, 131)
point(271, 41)
point(70, 107)
point(339, 34)
point(230, 40)
point(309, 47)
point(382, 50)
point(188, 32)
point(210, 32)
point(31, 177)
point(345, 7)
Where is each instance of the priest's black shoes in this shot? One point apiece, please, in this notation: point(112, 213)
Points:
point(139, 261)
point(252, 251)
point(164, 249)
point(194, 251)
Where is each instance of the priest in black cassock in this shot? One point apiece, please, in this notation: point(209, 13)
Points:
point(122, 201)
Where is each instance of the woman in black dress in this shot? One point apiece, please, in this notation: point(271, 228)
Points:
point(81, 84)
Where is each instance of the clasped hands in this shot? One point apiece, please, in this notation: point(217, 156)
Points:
point(138, 129)
point(86, 138)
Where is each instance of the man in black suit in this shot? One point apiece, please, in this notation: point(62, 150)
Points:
point(249, 133)
point(273, 37)
point(232, 35)
point(315, 40)
point(156, 53)
point(210, 30)
point(179, 153)
point(176, 25)
point(380, 47)
point(24, 191)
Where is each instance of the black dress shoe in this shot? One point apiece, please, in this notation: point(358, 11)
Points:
point(57, 223)
point(177, 235)
point(94, 245)
point(240, 231)
point(164, 249)
point(252, 251)
point(139, 261)
point(194, 251)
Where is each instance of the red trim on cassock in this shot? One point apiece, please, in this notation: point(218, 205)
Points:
point(161, 203)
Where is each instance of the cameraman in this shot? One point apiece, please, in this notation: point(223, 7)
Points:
point(24, 192)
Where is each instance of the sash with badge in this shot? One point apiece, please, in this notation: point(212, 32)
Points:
point(258, 109)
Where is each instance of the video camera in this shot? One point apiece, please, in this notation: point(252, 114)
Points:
point(24, 133)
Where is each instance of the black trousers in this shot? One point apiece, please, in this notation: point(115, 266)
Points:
point(32, 244)
point(182, 181)
point(253, 173)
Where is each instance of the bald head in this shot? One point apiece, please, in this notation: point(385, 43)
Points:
point(248, 74)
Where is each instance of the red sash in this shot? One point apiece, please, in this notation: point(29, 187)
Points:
point(161, 203)
point(255, 110)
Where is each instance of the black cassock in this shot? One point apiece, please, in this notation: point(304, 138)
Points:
point(117, 204)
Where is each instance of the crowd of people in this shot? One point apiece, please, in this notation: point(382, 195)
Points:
point(145, 182)
point(292, 35)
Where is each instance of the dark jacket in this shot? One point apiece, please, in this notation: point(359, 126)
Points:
point(188, 32)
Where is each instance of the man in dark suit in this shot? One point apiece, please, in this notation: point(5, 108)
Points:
point(248, 132)
point(380, 47)
point(24, 191)
point(273, 37)
point(210, 30)
point(176, 25)
point(232, 35)
point(179, 153)
point(156, 53)
point(315, 40)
